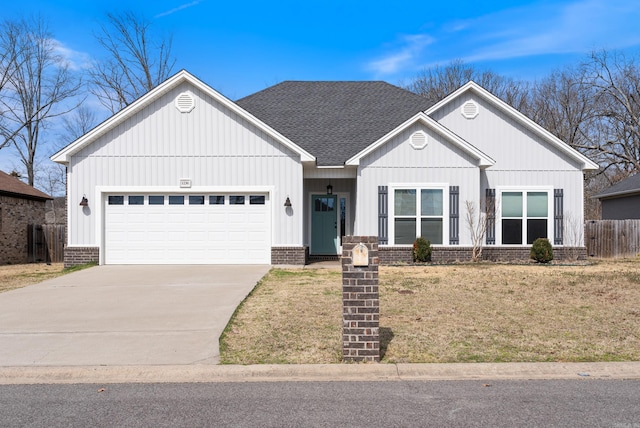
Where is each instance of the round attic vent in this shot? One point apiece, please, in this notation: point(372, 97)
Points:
point(418, 140)
point(470, 109)
point(185, 102)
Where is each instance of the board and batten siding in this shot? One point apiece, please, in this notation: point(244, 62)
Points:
point(212, 146)
point(396, 162)
point(522, 157)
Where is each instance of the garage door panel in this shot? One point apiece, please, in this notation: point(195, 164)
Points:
point(187, 234)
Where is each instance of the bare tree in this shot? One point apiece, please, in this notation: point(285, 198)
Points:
point(616, 141)
point(39, 84)
point(478, 221)
point(10, 54)
point(135, 61)
point(437, 82)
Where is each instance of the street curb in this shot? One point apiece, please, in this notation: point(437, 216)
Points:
point(317, 373)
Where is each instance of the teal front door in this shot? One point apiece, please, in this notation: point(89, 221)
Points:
point(324, 224)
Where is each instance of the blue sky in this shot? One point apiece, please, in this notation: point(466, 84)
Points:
point(242, 47)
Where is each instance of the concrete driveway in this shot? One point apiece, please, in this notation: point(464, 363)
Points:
point(123, 315)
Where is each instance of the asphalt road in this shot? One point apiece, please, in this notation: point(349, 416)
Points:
point(545, 403)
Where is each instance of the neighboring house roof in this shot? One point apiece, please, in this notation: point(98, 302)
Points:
point(12, 186)
point(587, 164)
point(483, 160)
point(179, 78)
point(334, 120)
point(628, 186)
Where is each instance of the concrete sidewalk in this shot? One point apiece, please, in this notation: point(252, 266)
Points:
point(320, 372)
point(123, 315)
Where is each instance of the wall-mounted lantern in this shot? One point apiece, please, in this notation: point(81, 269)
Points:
point(84, 202)
point(287, 203)
point(329, 189)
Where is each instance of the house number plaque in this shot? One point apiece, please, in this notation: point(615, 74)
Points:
point(185, 183)
point(360, 255)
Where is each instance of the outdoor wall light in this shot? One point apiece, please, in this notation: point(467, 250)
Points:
point(287, 203)
point(84, 202)
point(329, 189)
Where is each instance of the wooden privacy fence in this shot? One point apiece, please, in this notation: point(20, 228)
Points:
point(46, 242)
point(612, 238)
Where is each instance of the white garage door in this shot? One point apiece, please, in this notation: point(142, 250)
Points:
point(187, 229)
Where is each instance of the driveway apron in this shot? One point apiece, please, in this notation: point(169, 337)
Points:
point(123, 315)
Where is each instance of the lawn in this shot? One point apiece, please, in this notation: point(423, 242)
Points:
point(449, 313)
point(18, 276)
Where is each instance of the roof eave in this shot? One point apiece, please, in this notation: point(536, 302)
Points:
point(587, 164)
point(483, 160)
point(182, 76)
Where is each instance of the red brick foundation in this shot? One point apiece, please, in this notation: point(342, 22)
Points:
point(404, 255)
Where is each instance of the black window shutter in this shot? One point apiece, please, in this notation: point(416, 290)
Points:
point(558, 216)
point(383, 215)
point(454, 215)
point(490, 201)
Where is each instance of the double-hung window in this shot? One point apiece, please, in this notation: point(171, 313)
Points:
point(418, 211)
point(525, 215)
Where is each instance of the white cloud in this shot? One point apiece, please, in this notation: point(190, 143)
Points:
point(177, 9)
point(546, 28)
point(411, 46)
point(75, 60)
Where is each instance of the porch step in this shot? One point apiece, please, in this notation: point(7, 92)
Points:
point(327, 258)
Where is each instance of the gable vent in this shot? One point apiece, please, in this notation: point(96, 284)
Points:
point(419, 140)
point(185, 102)
point(470, 109)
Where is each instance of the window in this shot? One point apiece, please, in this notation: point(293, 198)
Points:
point(256, 200)
point(156, 200)
point(136, 200)
point(116, 200)
point(418, 212)
point(236, 200)
point(196, 200)
point(216, 200)
point(525, 216)
point(176, 200)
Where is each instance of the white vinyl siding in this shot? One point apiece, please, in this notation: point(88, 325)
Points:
point(398, 165)
point(159, 146)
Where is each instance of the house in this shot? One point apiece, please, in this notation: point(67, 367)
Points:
point(186, 176)
point(622, 200)
point(20, 207)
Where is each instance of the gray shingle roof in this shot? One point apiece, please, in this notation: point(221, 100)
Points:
point(333, 120)
point(624, 187)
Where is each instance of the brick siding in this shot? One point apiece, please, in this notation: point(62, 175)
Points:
point(74, 256)
point(289, 255)
point(16, 214)
point(400, 255)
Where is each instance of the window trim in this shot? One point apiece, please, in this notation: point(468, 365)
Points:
point(524, 190)
point(392, 187)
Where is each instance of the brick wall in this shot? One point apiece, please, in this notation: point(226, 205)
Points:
point(360, 302)
point(289, 255)
point(15, 216)
point(399, 255)
point(74, 256)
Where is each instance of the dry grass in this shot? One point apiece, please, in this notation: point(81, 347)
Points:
point(18, 276)
point(456, 313)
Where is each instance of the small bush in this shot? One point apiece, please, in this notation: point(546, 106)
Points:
point(421, 250)
point(541, 251)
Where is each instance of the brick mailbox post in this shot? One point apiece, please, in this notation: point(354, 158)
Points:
point(360, 299)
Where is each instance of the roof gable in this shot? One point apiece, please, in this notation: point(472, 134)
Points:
point(179, 78)
point(627, 186)
point(520, 118)
point(483, 160)
point(12, 186)
point(334, 120)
